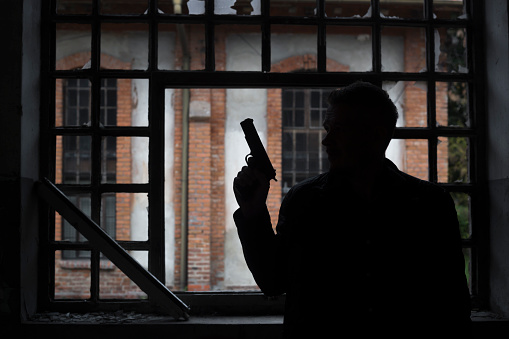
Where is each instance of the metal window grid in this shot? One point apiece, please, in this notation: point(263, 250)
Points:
point(162, 79)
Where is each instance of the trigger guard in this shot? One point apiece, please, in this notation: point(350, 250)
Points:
point(249, 156)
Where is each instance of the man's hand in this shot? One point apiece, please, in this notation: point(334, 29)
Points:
point(251, 189)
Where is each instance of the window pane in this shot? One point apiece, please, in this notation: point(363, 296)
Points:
point(124, 102)
point(453, 50)
point(449, 9)
point(452, 104)
point(347, 9)
point(293, 48)
point(114, 284)
point(314, 147)
point(72, 102)
point(129, 213)
point(65, 7)
point(453, 162)
point(410, 98)
point(403, 49)
point(64, 231)
point(73, 46)
point(124, 160)
point(301, 148)
point(467, 254)
point(170, 43)
point(402, 10)
point(126, 43)
point(243, 48)
point(172, 7)
point(123, 6)
point(109, 214)
point(462, 203)
point(299, 117)
point(412, 157)
point(349, 49)
point(72, 277)
point(288, 8)
point(73, 159)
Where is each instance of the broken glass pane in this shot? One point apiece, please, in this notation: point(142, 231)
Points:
point(452, 107)
point(403, 49)
point(73, 46)
point(196, 7)
point(346, 9)
point(449, 9)
point(237, 7)
point(349, 49)
point(453, 50)
point(397, 9)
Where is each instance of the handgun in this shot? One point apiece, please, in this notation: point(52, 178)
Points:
point(257, 158)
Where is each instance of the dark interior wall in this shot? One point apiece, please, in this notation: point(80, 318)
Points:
point(30, 110)
point(19, 140)
point(497, 74)
point(10, 151)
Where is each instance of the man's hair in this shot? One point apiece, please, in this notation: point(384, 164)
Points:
point(366, 98)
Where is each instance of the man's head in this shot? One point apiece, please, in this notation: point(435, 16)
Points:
point(360, 122)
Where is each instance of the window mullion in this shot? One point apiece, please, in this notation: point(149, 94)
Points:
point(376, 36)
point(210, 58)
point(156, 179)
point(96, 144)
point(321, 38)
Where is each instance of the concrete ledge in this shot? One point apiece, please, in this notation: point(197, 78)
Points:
point(133, 325)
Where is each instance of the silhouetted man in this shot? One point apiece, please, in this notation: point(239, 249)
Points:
point(363, 249)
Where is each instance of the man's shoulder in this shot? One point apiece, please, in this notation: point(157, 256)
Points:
point(310, 183)
point(415, 186)
point(302, 190)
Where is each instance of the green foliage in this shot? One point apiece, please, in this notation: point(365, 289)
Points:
point(457, 110)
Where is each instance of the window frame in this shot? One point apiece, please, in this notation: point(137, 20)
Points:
point(160, 80)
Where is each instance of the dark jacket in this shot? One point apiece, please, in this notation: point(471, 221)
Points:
point(393, 265)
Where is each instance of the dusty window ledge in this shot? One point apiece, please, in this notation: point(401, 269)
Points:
point(134, 325)
point(121, 317)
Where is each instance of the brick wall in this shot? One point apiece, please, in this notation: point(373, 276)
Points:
point(72, 276)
